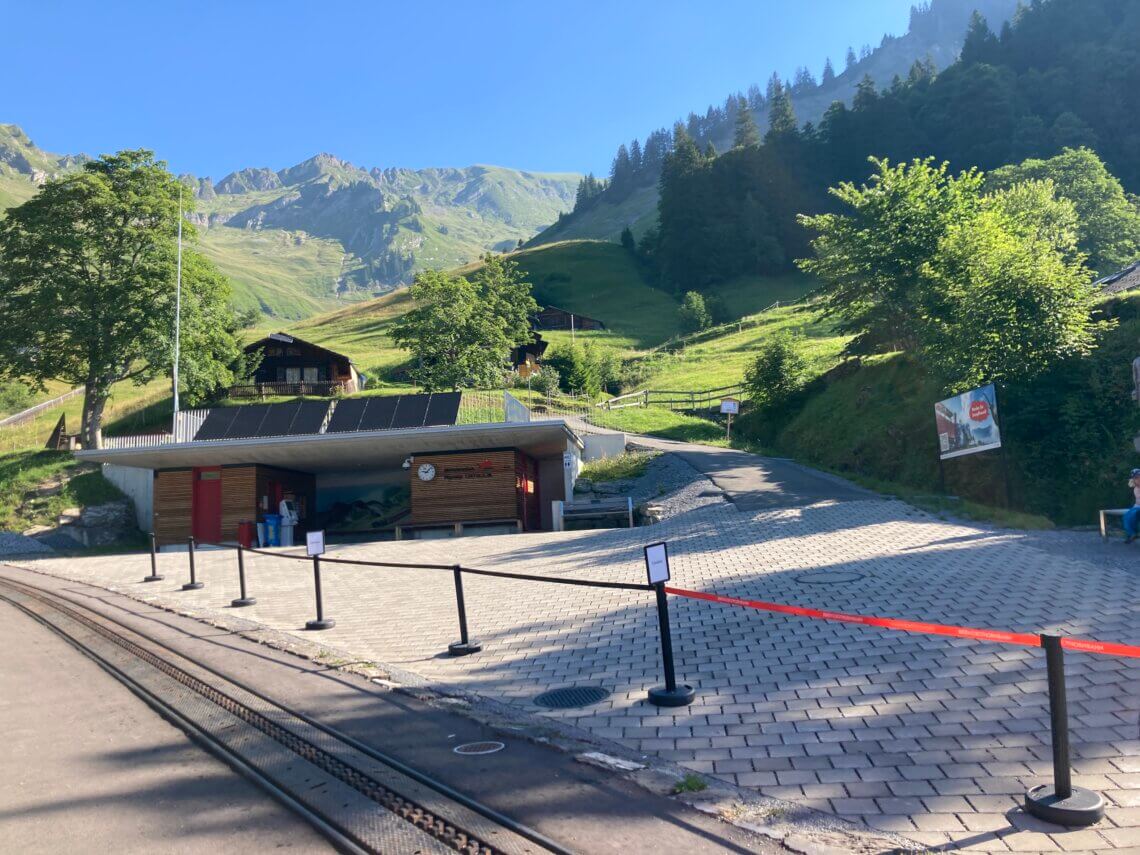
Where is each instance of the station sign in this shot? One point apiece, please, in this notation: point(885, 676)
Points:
point(657, 563)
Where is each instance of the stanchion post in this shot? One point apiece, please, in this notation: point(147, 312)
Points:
point(465, 646)
point(671, 695)
point(154, 574)
point(1061, 802)
point(243, 600)
point(193, 584)
point(321, 622)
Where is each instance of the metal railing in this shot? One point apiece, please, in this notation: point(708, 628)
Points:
point(682, 401)
point(316, 388)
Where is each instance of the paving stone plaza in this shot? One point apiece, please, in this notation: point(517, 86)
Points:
point(933, 738)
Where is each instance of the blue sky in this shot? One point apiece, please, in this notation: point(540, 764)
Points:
point(214, 87)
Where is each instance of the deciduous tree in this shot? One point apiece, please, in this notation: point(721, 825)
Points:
point(87, 287)
point(462, 329)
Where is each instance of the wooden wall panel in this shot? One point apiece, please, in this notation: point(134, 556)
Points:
point(468, 487)
point(173, 501)
point(239, 498)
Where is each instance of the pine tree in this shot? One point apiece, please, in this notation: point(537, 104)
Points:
point(851, 60)
point(755, 97)
point(803, 79)
point(747, 134)
point(828, 72)
point(636, 159)
point(781, 115)
point(981, 45)
point(621, 171)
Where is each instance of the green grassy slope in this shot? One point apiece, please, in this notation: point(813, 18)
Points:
point(287, 275)
point(1067, 433)
point(722, 361)
point(605, 220)
point(601, 280)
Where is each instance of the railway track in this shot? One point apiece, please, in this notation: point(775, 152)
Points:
point(361, 799)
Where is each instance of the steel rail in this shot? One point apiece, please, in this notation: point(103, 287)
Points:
point(50, 598)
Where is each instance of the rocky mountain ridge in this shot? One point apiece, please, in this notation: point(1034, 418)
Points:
point(387, 223)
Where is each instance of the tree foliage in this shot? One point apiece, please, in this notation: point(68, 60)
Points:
point(776, 372)
point(1108, 222)
point(87, 287)
point(693, 314)
point(462, 329)
point(872, 255)
point(983, 287)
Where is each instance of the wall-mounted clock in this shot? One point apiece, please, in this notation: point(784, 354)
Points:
point(426, 471)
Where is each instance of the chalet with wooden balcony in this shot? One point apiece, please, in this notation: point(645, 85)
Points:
point(291, 366)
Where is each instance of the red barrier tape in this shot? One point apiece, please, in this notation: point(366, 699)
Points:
point(999, 636)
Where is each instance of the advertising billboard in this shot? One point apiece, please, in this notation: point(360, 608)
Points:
point(967, 423)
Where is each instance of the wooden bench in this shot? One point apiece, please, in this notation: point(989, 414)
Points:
point(620, 508)
point(457, 528)
point(1105, 514)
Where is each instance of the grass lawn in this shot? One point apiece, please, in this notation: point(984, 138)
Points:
point(623, 467)
point(601, 280)
point(23, 471)
point(747, 295)
point(722, 361)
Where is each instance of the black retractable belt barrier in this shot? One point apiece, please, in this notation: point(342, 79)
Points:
point(321, 622)
point(243, 600)
point(1061, 802)
point(154, 575)
point(193, 584)
point(465, 645)
point(671, 695)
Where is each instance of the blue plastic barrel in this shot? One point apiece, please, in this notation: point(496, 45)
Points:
point(273, 529)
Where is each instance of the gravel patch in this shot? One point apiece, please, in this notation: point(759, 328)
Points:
point(12, 544)
point(674, 485)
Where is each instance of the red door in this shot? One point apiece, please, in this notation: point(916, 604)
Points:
point(206, 509)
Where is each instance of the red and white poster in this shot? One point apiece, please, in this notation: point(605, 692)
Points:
point(967, 423)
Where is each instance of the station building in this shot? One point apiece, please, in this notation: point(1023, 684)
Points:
point(369, 468)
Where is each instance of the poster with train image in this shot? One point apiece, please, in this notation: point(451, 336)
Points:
point(967, 423)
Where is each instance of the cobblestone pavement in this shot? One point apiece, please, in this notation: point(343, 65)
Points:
point(930, 737)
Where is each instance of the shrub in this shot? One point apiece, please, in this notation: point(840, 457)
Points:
point(777, 372)
point(693, 315)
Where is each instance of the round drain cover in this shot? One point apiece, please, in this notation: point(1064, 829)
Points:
point(478, 748)
point(570, 697)
point(829, 577)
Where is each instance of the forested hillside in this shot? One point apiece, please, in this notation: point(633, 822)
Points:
point(628, 196)
point(1057, 78)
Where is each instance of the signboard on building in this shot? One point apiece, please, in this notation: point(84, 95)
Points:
point(967, 423)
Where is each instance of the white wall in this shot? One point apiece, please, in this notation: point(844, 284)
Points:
point(600, 445)
point(138, 484)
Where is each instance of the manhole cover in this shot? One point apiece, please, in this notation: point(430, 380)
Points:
point(478, 748)
point(829, 577)
point(571, 696)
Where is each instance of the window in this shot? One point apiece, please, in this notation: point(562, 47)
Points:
point(292, 375)
point(310, 374)
point(272, 351)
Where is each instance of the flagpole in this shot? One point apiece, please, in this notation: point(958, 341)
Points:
point(178, 309)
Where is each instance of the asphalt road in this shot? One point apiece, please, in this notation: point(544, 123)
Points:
point(753, 482)
point(88, 767)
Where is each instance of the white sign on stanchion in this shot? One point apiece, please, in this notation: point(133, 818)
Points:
point(657, 563)
point(315, 543)
point(729, 407)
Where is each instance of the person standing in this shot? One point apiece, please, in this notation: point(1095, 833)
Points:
point(1132, 515)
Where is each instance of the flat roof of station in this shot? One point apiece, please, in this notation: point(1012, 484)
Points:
point(337, 452)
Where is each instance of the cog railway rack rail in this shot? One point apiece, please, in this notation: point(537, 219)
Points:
point(358, 797)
